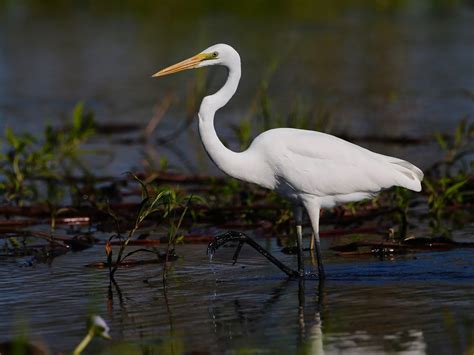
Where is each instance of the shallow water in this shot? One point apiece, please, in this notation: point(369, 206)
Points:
point(421, 303)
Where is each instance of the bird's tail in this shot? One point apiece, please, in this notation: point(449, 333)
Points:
point(410, 175)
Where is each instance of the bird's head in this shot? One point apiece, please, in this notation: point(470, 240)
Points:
point(218, 54)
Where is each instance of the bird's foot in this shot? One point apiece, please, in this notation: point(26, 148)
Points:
point(225, 238)
point(241, 238)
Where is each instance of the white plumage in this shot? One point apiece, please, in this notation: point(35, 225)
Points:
point(326, 167)
point(315, 170)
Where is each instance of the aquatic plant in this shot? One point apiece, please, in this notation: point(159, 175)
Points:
point(448, 180)
point(457, 150)
point(96, 327)
point(173, 237)
point(31, 167)
point(443, 193)
point(158, 200)
point(401, 199)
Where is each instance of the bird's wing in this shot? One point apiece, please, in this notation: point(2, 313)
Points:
point(321, 164)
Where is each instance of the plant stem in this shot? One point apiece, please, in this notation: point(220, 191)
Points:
point(172, 241)
point(83, 344)
point(122, 249)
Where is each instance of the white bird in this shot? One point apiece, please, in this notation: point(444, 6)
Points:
point(313, 169)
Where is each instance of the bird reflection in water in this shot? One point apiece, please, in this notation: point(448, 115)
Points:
point(237, 318)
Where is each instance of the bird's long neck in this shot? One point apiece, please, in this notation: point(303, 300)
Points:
point(228, 161)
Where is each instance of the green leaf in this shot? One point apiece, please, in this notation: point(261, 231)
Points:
point(429, 185)
point(142, 211)
point(145, 193)
point(459, 133)
point(454, 188)
point(441, 141)
point(11, 138)
point(77, 115)
point(163, 163)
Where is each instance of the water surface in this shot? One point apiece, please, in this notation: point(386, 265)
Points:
point(419, 303)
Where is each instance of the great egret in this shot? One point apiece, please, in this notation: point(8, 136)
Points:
point(313, 169)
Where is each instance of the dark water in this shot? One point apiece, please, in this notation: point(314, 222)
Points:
point(414, 304)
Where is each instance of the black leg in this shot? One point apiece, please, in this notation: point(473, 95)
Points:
point(237, 252)
point(299, 242)
point(232, 236)
point(321, 272)
point(298, 214)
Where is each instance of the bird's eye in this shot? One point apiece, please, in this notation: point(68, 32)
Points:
point(215, 54)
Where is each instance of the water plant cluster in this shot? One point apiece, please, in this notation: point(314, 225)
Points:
point(32, 168)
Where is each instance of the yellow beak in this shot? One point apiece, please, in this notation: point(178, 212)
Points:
point(189, 63)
